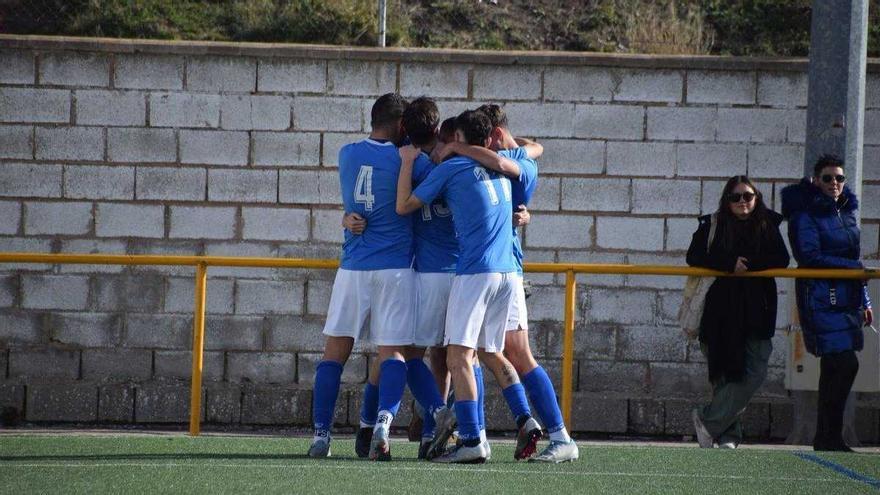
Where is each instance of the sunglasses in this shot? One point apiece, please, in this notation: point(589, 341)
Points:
point(827, 178)
point(736, 197)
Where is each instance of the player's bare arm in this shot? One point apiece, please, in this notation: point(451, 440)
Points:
point(533, 149)
point(354, 223)
point(406, 202)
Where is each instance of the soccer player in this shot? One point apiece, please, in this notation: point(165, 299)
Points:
point(482, 287)
point(374, 281)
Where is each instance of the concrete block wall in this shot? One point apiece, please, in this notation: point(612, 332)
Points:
point(230, 149)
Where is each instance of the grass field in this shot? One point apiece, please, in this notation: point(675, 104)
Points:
point(41, 463)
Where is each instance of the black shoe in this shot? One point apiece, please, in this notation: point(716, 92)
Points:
point(362, 441)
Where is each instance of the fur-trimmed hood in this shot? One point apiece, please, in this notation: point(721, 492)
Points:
point(806, 196)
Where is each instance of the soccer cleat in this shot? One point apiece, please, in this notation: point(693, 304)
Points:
point(558, 452)
point(362, 441)
point(527, 439)
point(446, 421)
point(320, 448)
point(488, 449)
point(461, 454)
point(380, 448)
point(704, 438)
point(424, 446)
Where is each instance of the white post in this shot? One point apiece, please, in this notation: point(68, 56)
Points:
point(382, 10)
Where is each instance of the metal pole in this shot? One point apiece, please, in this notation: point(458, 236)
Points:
point(382, 10)
point(195, 398)
point(568, 349)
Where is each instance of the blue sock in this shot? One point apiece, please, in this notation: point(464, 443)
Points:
point(468, 422)
point(327, 377)
point(543, 397)
point(392, 381)
point(481, 389)
point(515, 395)
point(370, 404)
point(424, 389)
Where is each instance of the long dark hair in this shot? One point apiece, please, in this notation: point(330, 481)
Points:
point(755, 226)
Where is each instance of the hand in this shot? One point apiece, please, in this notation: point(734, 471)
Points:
point(869, 317)
point(354, 223)
point(521, 216)
point(442, 152)
point(741, 265)
point(409, 153)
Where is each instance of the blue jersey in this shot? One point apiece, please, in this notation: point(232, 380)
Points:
point(436, 245)
point(481, 211)
point(368, 172)
point(522, 190)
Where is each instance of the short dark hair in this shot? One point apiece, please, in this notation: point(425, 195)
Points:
point(447, 130)
point(826, 161)
point(475, 126)
point(496, 115)
point(420, 120)
point(387, 110)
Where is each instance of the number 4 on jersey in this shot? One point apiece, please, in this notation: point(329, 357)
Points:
point(363, 188)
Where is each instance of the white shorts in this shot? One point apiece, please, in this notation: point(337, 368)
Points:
point(476, 316)
point(433, 297)
point(386, 297)
point(518, 316)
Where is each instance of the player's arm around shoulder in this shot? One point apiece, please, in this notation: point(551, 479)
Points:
point(406, 202)
point(533, 149)
point(483, 156)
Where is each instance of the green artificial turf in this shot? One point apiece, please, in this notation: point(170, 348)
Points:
point(42, 463)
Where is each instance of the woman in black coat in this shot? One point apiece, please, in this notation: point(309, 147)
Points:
point(739, 317)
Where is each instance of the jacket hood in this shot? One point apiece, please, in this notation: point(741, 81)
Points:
point(804, 196)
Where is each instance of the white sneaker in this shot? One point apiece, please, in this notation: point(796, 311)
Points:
point(704, 438)
point(727, 445)
point(320, 448)
point(488, 449)
point(464, 455)
point(445, 425)
point(558, 452)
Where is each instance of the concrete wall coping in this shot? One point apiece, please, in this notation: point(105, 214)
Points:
point(404, 55)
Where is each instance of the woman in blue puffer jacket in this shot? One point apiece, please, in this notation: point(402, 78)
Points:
point(824, 233)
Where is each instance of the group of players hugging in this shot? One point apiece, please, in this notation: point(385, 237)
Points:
point(432, 259)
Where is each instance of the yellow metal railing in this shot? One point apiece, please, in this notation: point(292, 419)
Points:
point(571, 270)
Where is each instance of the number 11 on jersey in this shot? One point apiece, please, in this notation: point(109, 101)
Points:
point(363, 188)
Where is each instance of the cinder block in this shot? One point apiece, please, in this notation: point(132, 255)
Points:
point(546, 197)
point(309, 187)
point(579, 83)
point(653, 343)
point(129, 292)
point(152, 331)
point(609, 121)
point(711, 194)
point(682, 124)
point(753, 125)
point(872, 91)
point(318, 296)
point(243, 186)
point(663, 86)
point(639, 234)
point(180, 296)
point(292, 76)
point(646, 417)
point(249, 112)
point(16, 141)
point(44, 363)
point(295, 333)
point(141, 145)
point(223, 404)
point(261, 297)
point(241, 248)
point(8, 293)
point(54, 292)
point(281, 224)
point(69, 143)
point(143, 71)
point(721, 87)
point(129, 220)
point(198, 222)
point(355, 370)
point(19, 67)
point(98, 182)
point(92, 246)
point(437, 80)
point(559, 231)
point(870, 203)
point(679, 232)
point(568, 156)
point(178, 365)
point(641, 159)
point(26, 245)
point(666, 196)
point(327, 226)
point(57, 218)
point(34, 105)
point(21, 179)
point(223, 74)
point(165, 183)
point(312, 113)
point(599, 414)
point(116, 403)
point(75, 69)
point(679, 380)
point(85, 329)
point(797, 126)
point(331, 145)
point(776, 162)
point(214, 147)
point(653, 281)
point(361, 78)
point(499, 82)
point(547, 302)
point(872, 126)
point(234, 333)
point(869, 239)
point(543, 120)
point(261, 367)
point(272, 406)
point(184, 110)
point(756, 420)
point(117, 365)
point(616, 306)
point(782, 89)
point(68, 402)
point(711, 160)
point(595, 194)
point(613, 376)
point(164, 403)
point(111, 108)
point(276, 149)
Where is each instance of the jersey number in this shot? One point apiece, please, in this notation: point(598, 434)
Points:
point(363, 188)
point(483, 176)
point(439, 210)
